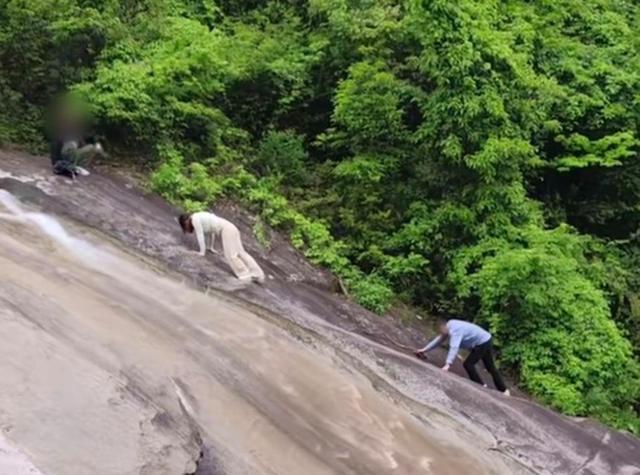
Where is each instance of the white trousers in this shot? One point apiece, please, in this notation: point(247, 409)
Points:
point(242, 264)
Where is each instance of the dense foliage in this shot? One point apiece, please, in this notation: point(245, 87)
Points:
point(479, 157)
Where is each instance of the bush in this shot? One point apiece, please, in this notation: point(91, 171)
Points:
point(282, 156)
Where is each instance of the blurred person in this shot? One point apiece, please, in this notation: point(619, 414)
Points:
point(71, 149)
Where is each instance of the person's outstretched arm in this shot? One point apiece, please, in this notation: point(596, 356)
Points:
point(437, 341)
point(454, 347)
point(197, 227)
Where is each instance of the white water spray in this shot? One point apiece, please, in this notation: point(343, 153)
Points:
point(50, 227)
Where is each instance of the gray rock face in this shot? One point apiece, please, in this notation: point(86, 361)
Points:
point(114, 360)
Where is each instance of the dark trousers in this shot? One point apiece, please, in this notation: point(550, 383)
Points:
point(483, 352)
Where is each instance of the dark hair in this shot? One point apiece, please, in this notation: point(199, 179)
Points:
point(185, 224)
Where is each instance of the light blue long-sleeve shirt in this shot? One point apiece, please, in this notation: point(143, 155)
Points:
point(461, 335)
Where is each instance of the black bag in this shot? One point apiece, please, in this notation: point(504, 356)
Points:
point(64, 168)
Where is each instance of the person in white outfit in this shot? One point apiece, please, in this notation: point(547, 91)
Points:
point(242, 264)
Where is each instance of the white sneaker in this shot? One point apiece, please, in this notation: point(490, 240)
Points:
point(506, 392)
point(82, 171)
point(100, 150)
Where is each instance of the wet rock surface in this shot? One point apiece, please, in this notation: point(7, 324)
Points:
point(503, 435)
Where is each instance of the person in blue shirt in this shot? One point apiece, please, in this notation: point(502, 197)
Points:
point(471, 337)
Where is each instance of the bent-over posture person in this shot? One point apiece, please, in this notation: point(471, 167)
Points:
point(71, 150)
point(469, 336)
point(242, 264)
